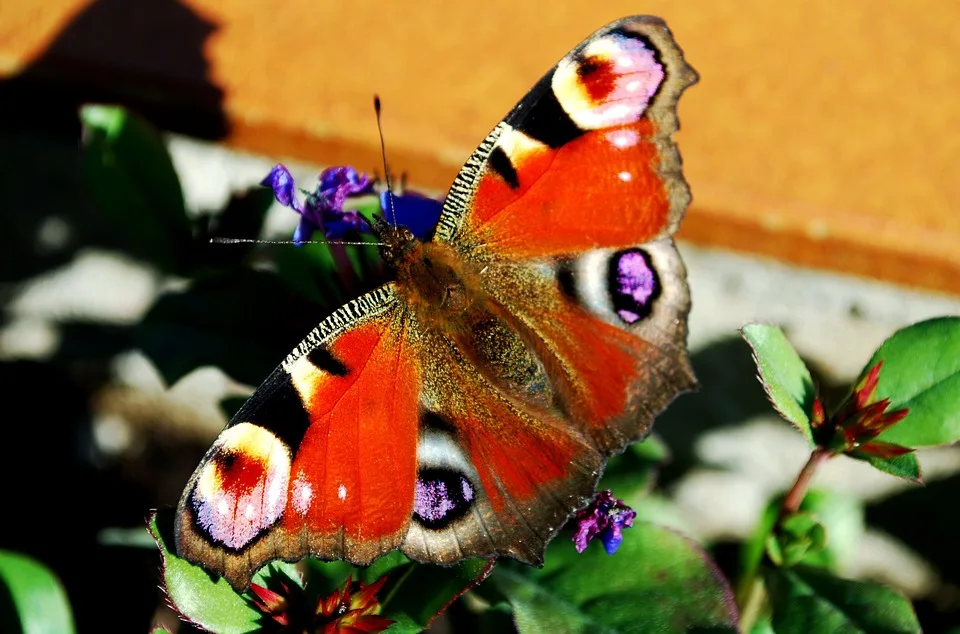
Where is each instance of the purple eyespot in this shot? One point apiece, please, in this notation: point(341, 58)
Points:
point(633, 283)
point(440, 497)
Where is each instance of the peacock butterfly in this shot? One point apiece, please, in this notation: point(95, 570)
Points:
point(467, 408)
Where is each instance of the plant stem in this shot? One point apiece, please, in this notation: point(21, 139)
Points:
point(794, 497)
point(752, 603)
point(751, 594)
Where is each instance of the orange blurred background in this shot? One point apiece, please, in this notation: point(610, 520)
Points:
point(821, 133)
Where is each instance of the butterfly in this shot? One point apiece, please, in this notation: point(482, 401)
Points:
point(468, 407)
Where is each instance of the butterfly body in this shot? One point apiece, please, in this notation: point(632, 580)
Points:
point(466, 408)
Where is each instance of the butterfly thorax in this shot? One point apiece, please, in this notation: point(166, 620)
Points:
point(429, 274)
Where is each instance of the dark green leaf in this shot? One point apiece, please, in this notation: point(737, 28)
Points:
point(634, 471)
point(921, 372)
point(32, 600)
point(242, 321)
point(131, 179)
point(813, 601)
point(658, 581)
point(241, 218)
point(783, 374)
point(906, 466)
point(415, 593)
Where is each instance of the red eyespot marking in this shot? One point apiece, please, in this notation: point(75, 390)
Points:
point(598, 77)
point(242, 489)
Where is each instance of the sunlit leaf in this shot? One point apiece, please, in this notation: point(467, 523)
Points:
point(783, 374)
point(202, 598)
point(906, 466)
point(799, 536)
point(32, 601)
point(840, 514)
point(921, 372)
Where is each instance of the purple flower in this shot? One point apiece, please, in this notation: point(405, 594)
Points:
point(605, 517)
point(323, 209)
point(416, 212)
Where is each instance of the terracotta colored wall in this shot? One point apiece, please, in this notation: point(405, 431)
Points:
point(822, 132)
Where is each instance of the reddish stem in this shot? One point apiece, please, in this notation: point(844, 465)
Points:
point(473, 584)
point(793, 499)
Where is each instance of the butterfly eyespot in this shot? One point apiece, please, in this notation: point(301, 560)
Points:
point(633, 283)
point(441, 497)
point(242, 489)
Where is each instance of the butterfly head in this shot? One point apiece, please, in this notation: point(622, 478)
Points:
point(397, 242)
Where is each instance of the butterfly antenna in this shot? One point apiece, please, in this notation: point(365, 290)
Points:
point(252, 241)
point(386, 168)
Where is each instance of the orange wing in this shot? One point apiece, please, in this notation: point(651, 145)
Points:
point(585, 160)
point(321, 460)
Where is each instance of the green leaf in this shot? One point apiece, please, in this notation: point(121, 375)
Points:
point(658, 581)
point(921, 372)
point(783, 374)
point(798, 537)
point(130, 177)
point(243, 321)
point(906, 466)
point(243, 218)
point(813, 601)
point(412, 595)
point(202, 598)
point(416, 592)
point(841, 516)
point(32, 601)
point(634, 471)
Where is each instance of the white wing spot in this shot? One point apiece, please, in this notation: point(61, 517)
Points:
point(248, 511)
point(626, 177)
point(222, 507)
point(342, 492)
point(623, 138)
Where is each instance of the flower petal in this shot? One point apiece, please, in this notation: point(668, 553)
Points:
point(281, 181)
point(416, 212)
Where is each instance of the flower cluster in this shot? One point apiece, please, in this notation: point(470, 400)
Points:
point(350, 609)
point(324, 209)
point(604, 518)
point(855, 425)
